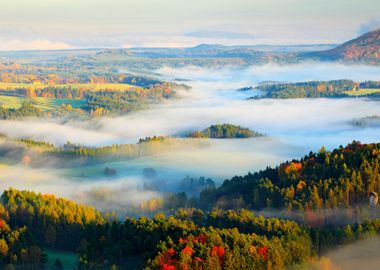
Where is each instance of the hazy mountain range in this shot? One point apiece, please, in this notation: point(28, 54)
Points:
point(364, 49)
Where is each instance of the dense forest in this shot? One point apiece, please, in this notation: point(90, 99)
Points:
point(121, 148)
point(189, 239)
point(312, 89)
point(30, 221)
point(212, 235)
point(92, 102)
point(344, 177)
point(224, 131)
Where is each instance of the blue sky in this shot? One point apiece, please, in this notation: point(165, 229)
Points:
point(54, 24)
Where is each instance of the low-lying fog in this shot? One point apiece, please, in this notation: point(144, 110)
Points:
point(292, 127)
point(360, 255)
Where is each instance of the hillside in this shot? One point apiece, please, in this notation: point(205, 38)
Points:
point(224, 131)
point(342, 178)
point(364, 49)
point(34, 227)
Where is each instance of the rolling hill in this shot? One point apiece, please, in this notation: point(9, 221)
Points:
point(363, 49)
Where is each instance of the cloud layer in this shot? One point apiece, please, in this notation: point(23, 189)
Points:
point(37, 44)
point(293, 128)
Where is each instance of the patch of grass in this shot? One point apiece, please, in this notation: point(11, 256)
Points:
point(3, 165)
point(39, 102)
point(9, 102)
point(84, 86)
point(68, 259)
point(362, 91)
point(53, 103)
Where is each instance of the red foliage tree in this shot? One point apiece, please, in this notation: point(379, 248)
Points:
point(263, 251)
point(187, 250)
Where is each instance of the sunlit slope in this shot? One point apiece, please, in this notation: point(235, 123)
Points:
point(11, 102)
point(81, 86)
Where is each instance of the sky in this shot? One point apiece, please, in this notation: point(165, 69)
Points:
point(64, 24)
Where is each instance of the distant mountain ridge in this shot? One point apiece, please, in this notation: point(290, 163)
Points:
point(363, 49)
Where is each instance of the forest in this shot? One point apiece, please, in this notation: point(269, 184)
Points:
point(315, 89)
point(95, 102)
point(188, 239)
point(342, 178)
point(40, 151)
point(224, 131)
point(189, 135)
point(217, 231)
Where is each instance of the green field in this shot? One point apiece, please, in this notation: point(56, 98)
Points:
point(68, 259)
point(363, 91)
point(40, 102)
point(84, 86)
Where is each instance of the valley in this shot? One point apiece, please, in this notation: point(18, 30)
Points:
point(189, 135)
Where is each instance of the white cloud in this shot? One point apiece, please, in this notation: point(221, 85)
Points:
point(370, 25)
point(156, 40)
point(56, 132)
point(37, 44)
point(181, 41)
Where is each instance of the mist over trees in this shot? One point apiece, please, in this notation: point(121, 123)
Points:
point(224, 131)
point(214, 237)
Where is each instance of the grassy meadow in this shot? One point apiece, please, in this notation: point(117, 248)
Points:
point(84, 86)
point(46, 104)
point(363, 92)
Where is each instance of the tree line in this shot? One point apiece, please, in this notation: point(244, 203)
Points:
point(344, 177)
point(188, 239)
point(312, 89)
point(224, 131)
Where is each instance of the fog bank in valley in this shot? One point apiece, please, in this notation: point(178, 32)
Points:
point(292, 127)
point(360, 255)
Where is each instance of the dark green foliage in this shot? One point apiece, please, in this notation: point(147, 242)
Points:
point(193, 186)
point(311, 89)
point(57, 265)
point(150, 237)
point(239, 239)
point(343, 177)
point(51, 220)
point(17, 246)
point(327, 237)
point(125, 101)
point(224, 131)
point(138, 80)
point(25, 110)
point(215, 239)
point(370, 84)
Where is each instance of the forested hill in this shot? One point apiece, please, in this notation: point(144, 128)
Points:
point(364, 49)
point(201, 238)
point(311, 89)
point(344, 177)
point(190, 239)
point(224, 131)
